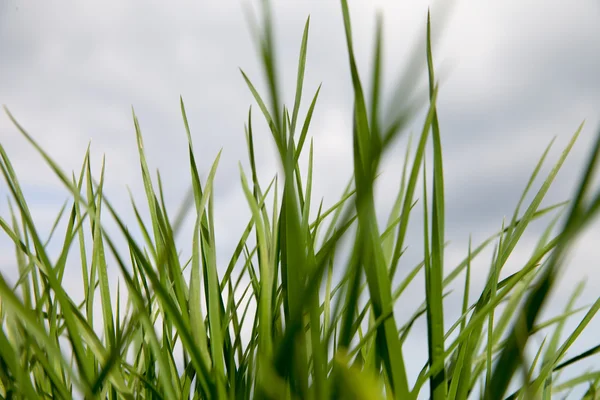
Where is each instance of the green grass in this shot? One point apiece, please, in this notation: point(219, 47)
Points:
point(304, 325)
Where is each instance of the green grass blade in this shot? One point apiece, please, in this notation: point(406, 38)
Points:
point(300, 78)
point(438, 384)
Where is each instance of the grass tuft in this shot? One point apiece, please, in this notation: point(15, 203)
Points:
point(285, 319)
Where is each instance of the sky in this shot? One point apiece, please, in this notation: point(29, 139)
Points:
point(513, 75)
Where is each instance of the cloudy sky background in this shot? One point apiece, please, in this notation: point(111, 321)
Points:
point(515, 74)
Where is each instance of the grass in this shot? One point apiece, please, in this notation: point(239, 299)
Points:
point(305, 325)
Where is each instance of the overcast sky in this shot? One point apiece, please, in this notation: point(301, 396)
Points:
point(514, 74)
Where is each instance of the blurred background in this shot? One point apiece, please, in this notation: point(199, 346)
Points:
point(513, 74)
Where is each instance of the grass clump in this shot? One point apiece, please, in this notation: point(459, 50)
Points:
point(188, 329)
